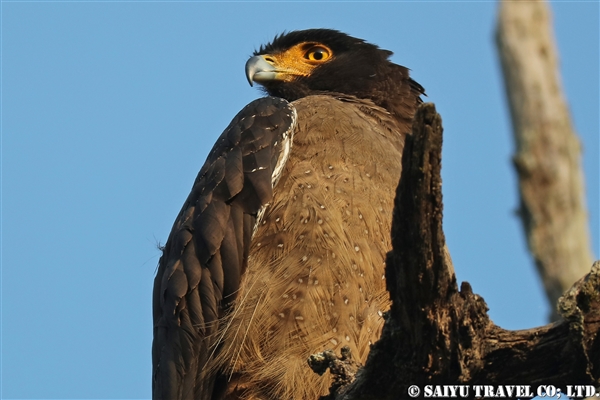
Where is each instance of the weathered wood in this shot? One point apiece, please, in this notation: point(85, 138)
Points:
point(547, 158)
point(436, 334)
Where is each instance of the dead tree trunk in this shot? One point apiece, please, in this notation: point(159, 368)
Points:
point(436, 334)
point(547, 159)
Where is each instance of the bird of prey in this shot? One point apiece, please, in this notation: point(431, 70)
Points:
point(278, 252)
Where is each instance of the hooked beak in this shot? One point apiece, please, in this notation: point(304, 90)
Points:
point(259, 70)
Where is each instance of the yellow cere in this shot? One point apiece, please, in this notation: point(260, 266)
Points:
point(299, 60)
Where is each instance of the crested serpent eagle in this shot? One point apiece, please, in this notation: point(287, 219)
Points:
point(278, 252)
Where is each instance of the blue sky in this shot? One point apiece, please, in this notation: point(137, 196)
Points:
point(110, 108)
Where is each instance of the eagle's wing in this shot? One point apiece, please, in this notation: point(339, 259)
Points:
point(206, 254)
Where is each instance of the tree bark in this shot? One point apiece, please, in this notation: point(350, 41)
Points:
point(552, 196)
point(436, 334)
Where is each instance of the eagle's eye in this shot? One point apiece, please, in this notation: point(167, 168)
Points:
point(318, 54)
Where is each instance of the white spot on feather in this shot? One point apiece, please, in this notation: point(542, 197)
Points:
point(286, 147)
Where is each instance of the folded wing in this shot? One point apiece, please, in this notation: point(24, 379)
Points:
point(206, 254)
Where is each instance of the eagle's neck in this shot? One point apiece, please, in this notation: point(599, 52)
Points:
point(396, 92)
point(388, 85)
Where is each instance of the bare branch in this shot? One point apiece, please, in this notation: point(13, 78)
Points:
point(547, 158)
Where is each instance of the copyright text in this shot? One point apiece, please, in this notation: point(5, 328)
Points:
point(502, 391)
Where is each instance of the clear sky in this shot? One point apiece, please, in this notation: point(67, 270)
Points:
point(110, 108)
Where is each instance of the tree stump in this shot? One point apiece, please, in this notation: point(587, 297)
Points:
point(436, 334)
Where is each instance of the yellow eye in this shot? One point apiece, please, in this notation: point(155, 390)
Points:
point(318, 54)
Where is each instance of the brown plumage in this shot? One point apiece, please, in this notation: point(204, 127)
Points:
point(279, 250)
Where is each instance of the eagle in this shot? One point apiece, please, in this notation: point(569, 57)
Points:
point(278, 251)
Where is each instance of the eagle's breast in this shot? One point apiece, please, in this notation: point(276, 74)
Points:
point(315, 271)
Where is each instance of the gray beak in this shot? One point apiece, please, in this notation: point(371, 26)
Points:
point(259, 70)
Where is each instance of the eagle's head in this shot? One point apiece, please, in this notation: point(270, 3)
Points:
point(321, 61)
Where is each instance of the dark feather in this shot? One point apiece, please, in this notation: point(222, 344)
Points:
point(205, 255)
